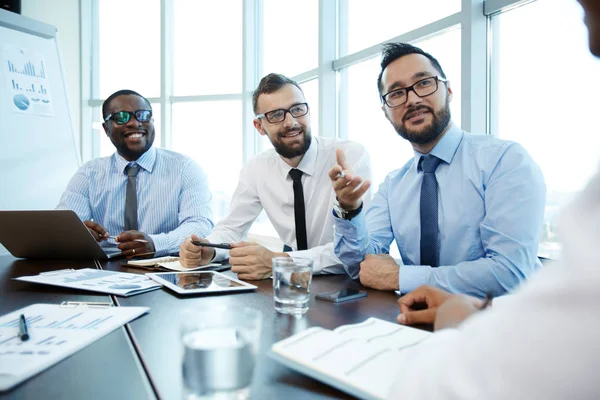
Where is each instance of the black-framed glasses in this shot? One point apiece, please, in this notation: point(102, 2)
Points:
point(421, 88)
point(277, 116)
point(123, 117)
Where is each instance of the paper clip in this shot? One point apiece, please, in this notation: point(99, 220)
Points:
point(58, 271)
point(91, 304)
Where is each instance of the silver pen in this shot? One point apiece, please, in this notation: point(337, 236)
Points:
point(134, 240)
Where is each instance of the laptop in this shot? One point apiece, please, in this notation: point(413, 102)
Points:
point(50, 234)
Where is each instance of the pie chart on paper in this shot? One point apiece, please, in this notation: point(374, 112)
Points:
point(21, 101)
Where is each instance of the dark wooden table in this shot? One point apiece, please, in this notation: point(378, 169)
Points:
point(157, 334)
point(107, 369)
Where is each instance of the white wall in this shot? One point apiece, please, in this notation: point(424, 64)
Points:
point(65, 16)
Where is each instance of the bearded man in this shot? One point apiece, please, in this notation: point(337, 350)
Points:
point(466, 212)
point(290, 182)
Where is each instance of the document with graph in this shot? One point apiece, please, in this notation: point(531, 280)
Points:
point(118, 283)
point(55, 332)
point(359, 359)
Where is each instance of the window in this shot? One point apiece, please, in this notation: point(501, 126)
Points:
point(203, 65)
point(291, 36)
point(375, 21)
point(129, 46)
point(311, 94)
point(210, 133)
point(544, 98)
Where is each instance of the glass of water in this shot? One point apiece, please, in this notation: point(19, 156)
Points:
point(219, 351)
point(291, 284)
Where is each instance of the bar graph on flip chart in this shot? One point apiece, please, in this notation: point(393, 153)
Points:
point(28, 69)
point(55, 332)
point(26, 76)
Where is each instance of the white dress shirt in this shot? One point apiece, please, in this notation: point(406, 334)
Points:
point(541, 343)
point(265, 184)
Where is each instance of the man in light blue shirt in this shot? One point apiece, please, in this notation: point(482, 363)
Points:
point(152, 209)
point(466, 212)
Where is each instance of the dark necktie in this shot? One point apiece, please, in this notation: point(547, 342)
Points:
point(131, 222)
point(430, 240)
point(299, 213)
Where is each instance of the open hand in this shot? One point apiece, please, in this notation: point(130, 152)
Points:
point(348, 188)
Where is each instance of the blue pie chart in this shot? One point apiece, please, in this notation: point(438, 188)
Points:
point(21, 101)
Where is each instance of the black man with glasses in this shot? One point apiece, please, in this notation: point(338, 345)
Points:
point(141, 199)
point(289, 182)
point(466, 212)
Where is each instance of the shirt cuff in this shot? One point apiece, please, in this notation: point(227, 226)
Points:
point(413, 276)
point(161, 245)
point(349, 228)
point(321, 263)
point(220, 255)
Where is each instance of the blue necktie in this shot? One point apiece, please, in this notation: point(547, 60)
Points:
point(430, 239)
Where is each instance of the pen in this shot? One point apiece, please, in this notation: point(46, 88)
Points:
point(143, 254)
point(341, 174)
point(487, 302)
point(23, 334)
point(133, 240)
point(225, 246)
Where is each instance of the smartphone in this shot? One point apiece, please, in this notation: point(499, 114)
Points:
point(339, 296)
point(225, 246)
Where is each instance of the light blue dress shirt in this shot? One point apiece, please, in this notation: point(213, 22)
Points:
point(491, 198)
point(173, 197)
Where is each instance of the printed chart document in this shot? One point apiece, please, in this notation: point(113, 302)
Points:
point(359, 359)
point(55, 332)
point(118, 283)
point(167, 263)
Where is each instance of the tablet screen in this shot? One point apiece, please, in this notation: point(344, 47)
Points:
point(200, 280)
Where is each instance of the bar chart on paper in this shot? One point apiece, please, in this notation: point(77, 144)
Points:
point(27, 80)
point(119, 283)
point(55, 332)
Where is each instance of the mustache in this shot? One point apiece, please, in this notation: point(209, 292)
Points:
point(286, 131)
point(413, 110)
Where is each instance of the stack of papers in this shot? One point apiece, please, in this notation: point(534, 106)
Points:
point(118, 283)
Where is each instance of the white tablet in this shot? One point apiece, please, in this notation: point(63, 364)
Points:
point(200, 282)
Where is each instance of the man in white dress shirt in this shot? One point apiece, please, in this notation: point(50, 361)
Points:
point(266, 182)
point(539, 343)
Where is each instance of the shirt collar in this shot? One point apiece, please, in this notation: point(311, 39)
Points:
point(308, 163)
point(146, 160)
point(446, 148)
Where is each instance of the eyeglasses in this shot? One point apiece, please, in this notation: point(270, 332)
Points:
point(277, 116)
point(123, 117)
point(421, 88)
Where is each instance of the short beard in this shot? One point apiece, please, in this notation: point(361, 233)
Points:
point(287, 152)
point(438, 126)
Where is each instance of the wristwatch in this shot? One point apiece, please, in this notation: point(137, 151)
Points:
point(342, 213)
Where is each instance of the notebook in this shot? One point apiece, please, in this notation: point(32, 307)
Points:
point(167, 263)
point(359, 359)
point(50, 234)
